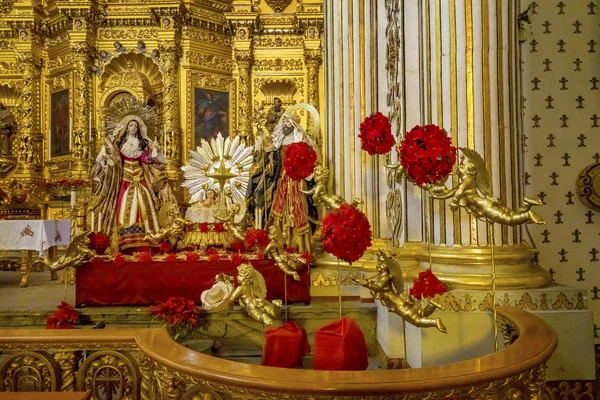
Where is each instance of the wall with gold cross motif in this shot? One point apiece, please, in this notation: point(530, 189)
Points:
point(561, 89)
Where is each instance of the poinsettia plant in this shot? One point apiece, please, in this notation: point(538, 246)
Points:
point(181, 316)
point(99, 242)
point(299, 160)
point(346, 233)
point(427, 154)
point(427, 285)
point(376, 134)
point(64, 318)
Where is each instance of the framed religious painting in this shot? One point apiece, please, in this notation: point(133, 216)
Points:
point(211, 114)
point(60, 124)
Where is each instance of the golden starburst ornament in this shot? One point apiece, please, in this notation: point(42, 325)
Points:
point(222, 164)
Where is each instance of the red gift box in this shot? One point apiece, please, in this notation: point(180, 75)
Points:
point(341, 346)
point(285, 346)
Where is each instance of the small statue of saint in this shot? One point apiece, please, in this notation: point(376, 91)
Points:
point(274, 114)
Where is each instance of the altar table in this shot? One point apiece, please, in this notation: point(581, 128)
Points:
point(36, 235)
point(33, 235)
point(103, 283)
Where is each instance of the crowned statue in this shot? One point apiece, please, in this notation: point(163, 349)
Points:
point(129, 181)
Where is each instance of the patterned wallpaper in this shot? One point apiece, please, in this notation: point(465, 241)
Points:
point(561, 118)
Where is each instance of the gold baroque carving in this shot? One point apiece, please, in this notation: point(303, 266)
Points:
point(278, 5)
point(59, 82)
point(279, 41)
point(202, 36)
point(29, 372)
point(569, 391)
point(210, 81)
point(297, 82)
point(128, 33)
point(210, 61)
point(278, 64)
point(9, 68)
point(66, 361)
point(60, 62)
point(110, 370)
point(6, 44)
point(6, 6)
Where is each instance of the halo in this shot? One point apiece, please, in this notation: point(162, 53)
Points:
point(313, 113)
point(119, 114)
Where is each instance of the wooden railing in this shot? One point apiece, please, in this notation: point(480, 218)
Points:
point(148, 364)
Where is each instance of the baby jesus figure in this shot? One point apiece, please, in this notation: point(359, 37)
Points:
point(212, 198)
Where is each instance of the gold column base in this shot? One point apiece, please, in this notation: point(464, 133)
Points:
point(469, 267)
point(461, 267)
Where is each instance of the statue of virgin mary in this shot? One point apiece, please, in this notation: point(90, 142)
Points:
point(128, 181)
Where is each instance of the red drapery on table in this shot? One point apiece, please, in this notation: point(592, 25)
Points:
point(103, 283)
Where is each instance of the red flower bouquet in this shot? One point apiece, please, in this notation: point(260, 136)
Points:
point(299, 160)
point(219, 227)
point(346, 233)
point(64, 318)
point(171, 257)
point(164, 247)
point(307, 257)
point(191, 256)
point(427, 154)
point(236, 259)
point(213, 255)
point(427, 285)
point(256, 237)
point(99, 242)
point(181, 315)
point(376, 134)
point(144, 257)
point(203, 227)
point(237, 245)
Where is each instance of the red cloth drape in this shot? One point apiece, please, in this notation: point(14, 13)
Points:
point(284, 346)
point(103, 283)
point(340, 345)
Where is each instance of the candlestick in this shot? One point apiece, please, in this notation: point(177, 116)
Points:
point(73, 198)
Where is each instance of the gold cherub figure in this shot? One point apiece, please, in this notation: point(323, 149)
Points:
point(320, 194)
point(251, 294)
point(236, 230)
point(174, 232)
point(276, 248)
point(388, 287)
point(77, 253)
point(474, 194)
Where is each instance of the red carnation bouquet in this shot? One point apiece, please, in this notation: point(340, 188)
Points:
point(376, 134)
point(256, 237)
point(99, 242)
point(346, 233)
point(64, 318)
point(180, 315)
point(427, 154)
point(299, 160)
point(427, 285)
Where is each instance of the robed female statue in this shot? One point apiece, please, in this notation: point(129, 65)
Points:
point(129, 181)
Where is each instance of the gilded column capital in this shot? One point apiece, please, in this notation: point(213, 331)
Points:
point(244, 57)
point(313, 57)
point(169, 48)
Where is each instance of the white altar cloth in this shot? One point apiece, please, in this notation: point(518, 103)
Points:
point(37, 235)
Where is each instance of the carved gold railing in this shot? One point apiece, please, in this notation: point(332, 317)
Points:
point(148, 364)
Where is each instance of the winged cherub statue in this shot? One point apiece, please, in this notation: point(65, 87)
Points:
point(474, 194)
point(388, 287)
point(251, 294)
point(77, 253)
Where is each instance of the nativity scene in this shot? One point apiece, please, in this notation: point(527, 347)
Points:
point(236, 200)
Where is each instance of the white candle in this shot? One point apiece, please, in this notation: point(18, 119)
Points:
point(73, 198)
point(93, 228)
point(90, 127)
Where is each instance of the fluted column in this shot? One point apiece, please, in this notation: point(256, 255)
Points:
point(458, 68)
point(352, 91)
point(169, 58)
point(28, 144)
point(81, 135)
